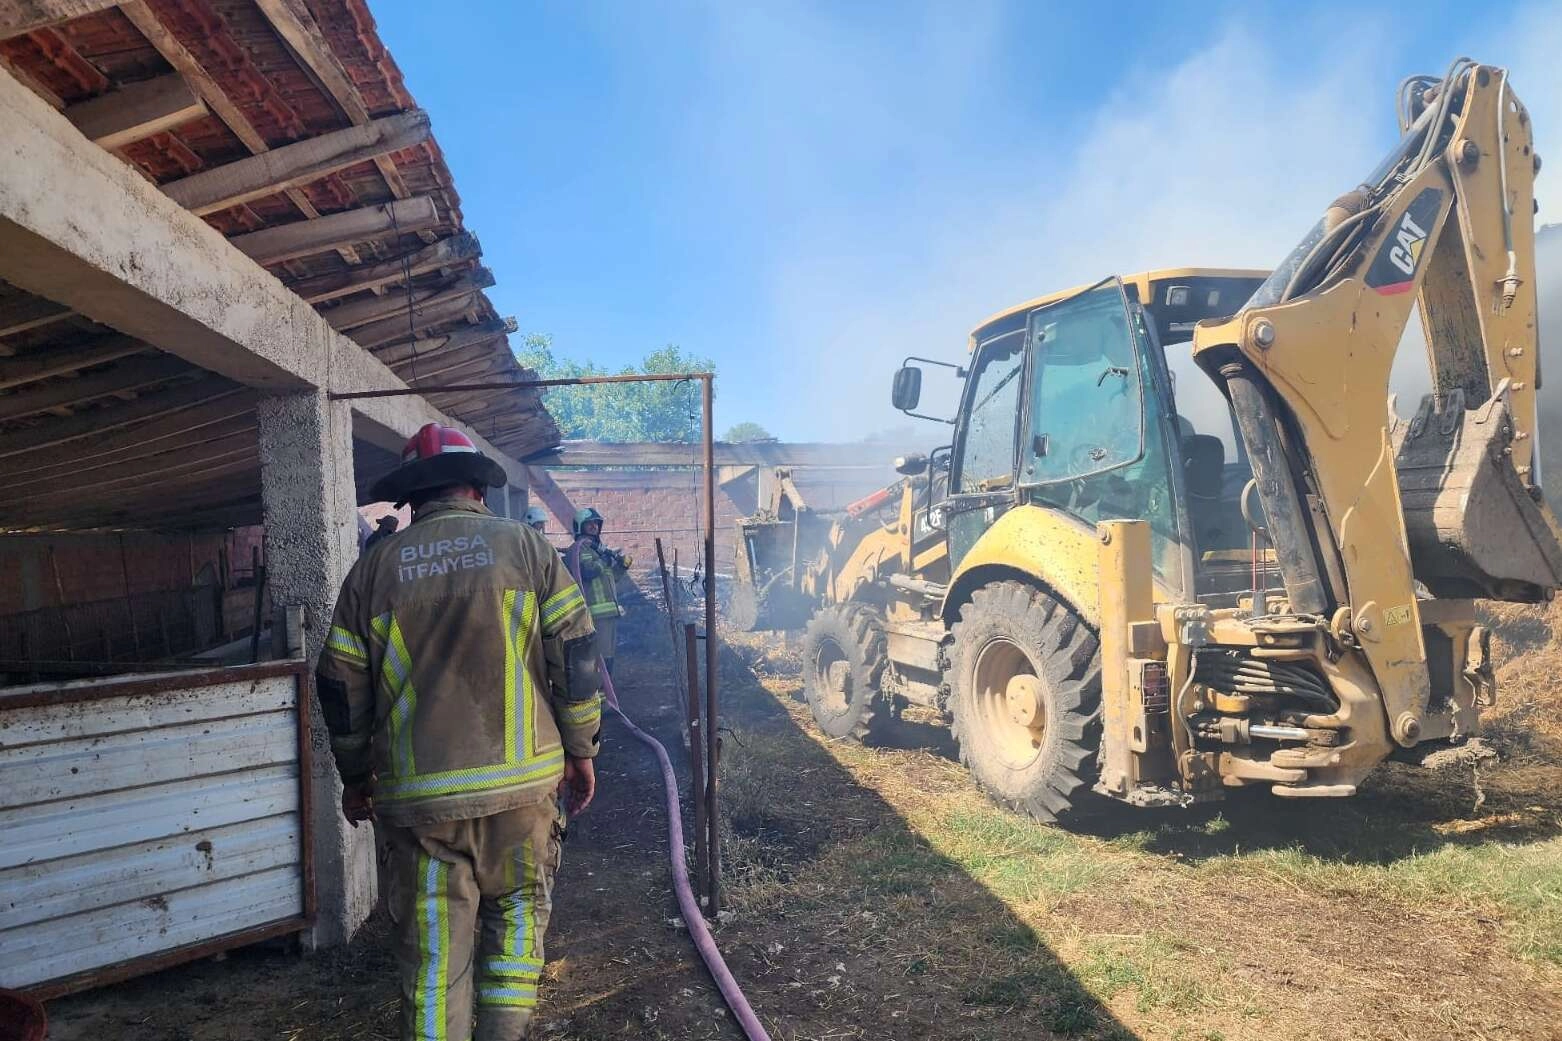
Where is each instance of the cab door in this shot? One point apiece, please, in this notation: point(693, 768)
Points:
point(983, 467)
point(1097, 443)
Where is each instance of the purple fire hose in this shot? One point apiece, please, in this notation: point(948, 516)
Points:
point(731, 993)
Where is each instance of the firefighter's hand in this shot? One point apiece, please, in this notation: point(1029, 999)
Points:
point(358, 802)
point(579, 784)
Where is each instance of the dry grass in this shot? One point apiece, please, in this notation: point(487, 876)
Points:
point(1407, 912)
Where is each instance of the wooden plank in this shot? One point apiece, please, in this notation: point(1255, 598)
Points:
point(132, 375)
point(362, 312)
point(483, 332)
point(137, 111)
point(300, 163)
point(208, 391)
point(454, 251)
point(445, 358)
point(424, 316)
point(138, 442)
point(304, 238)
point(23, 16)
point(187, 65)
point(40, 365)
point(233, 453)
point(299, 31)
point(21, 313)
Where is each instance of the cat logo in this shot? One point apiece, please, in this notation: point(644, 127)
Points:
point(1399, 256)
point(1409, 240)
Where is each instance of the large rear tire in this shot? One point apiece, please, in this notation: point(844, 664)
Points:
point(1025, 678)
point(843, 658)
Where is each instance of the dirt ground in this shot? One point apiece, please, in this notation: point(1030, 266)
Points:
point(875, 894)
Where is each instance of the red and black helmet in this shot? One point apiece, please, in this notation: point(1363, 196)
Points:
point(434, 457)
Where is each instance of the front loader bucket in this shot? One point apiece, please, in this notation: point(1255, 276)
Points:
point(770, 554)
point(1475, 530)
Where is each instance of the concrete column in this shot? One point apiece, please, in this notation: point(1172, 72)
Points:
point(306, 477)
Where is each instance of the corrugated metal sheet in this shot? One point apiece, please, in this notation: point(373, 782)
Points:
point(151, 819)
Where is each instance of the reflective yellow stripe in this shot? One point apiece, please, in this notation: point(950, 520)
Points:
point(396, 675)
point(346, 644)
point(560, 606)
point(432, 911)
point(519, 611)
point(607, 609)
point(509, 978)
point(472, 780)
point(581, 713)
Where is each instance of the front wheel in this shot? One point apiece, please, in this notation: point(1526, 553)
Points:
point(1025, 678)
point(843, 658)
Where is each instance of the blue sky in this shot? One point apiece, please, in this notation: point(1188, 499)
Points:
point(808, 192)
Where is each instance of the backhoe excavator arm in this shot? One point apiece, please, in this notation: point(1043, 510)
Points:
point(1360, 504)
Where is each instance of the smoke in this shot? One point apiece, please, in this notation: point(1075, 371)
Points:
point(1223, 158)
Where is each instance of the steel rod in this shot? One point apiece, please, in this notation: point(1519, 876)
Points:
point(712, 647)
point(575, 381)
point(667, 598)
point(696, 749)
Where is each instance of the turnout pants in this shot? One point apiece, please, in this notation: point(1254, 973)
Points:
point(607, 637)
point(470, 901)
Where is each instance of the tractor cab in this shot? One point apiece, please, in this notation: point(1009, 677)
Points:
point(1088, 404)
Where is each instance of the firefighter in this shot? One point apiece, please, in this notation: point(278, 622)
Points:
point(599, 571)
point(536, 519)
point(460, 685)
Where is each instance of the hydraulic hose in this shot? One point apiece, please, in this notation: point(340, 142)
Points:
point(688, 907)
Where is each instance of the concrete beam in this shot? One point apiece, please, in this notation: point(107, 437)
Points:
point(298, 163)
point(137, 111)
point(305, 238)
point(23, 16)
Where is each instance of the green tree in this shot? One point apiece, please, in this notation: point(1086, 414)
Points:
point(620, 411)
point(746, 431)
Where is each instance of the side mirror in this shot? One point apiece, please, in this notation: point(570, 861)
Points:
point(911, 465)
point(907, 390)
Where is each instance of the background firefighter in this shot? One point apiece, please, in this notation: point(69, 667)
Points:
point(459, 683)
point(599, 571)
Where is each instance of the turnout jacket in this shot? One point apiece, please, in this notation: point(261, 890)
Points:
point(459, 668)
point(599, 572)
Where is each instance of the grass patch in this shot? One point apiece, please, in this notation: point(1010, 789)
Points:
point(1152, 967)
point(1018, 859)
point(1522, 882)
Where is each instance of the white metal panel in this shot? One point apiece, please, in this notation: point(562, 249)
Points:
point(70, 826)
point(43, 723)
point(135, 824)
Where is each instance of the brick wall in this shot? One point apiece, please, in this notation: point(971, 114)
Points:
point(642, 504)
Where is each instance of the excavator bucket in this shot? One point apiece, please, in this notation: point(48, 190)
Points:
point(1475, 530)
point(771, 554)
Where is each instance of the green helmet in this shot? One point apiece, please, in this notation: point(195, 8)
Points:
point(584, 517)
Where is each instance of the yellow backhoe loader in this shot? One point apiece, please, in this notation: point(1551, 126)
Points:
point(1183, 552)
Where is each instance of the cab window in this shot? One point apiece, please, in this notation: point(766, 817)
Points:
point(986, 452)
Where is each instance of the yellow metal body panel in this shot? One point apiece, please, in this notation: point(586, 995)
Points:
point(1142, 283)
point(1049, 546)
point(1127, 595)
point(1329, 361)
